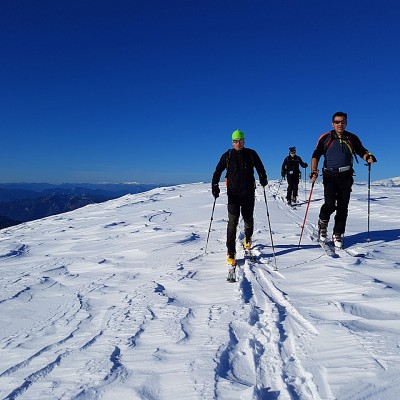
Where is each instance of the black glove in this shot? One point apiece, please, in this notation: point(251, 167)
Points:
point(283, 175)
point(371, 157)
point(215, 190)
point(305, 165)
point(263, 181)
point(313, 174)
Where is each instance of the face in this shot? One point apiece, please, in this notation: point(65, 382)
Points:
point(292, 153)
point(339, 124)
point(238, 144)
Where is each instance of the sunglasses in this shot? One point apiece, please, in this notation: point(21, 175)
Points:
point(238, 140)
point(340, 122)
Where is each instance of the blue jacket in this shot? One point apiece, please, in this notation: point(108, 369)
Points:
point(338, 152)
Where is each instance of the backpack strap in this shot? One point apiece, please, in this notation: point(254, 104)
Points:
point(351, 147)
point(228, 157)
point(329, 141)
point(250, 152)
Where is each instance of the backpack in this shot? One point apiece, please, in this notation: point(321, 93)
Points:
point(329, 141)
point(228, 157)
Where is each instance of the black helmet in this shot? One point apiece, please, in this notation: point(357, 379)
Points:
point(292, 149)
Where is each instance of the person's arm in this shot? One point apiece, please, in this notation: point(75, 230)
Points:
point(314, 169)
point(283, 168)
point(259, 166)
point(318, 152)
point(221, 166)
point(362, 151)
point(302, 163)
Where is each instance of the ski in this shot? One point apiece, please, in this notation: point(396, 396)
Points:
point(353, 251)
point(291, 205)
point(356, 251)
point(329, 249)
point(231, 274)
point(249, 255)
point(327, 246)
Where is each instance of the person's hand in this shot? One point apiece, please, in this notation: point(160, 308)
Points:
point(263, 181)
point(283, 175)
point(370, 158)
point(215, 190)
point(305, 165)
point(314, 176)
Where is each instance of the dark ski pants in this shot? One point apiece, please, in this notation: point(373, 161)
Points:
point(236, 205)
point(293, 186)
point(337, 190)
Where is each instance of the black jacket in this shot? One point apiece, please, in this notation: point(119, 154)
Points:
point(240, 170)
point(290, 165)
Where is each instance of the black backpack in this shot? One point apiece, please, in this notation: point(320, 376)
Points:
point(328, 141)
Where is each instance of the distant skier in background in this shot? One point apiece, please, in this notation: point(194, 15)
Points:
point(239, 164)
point(291, 170)
point(338, 148)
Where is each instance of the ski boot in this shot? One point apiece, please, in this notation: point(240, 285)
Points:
point(337, 240)
point(247, 243)
point(322, 230)
point(232, 268)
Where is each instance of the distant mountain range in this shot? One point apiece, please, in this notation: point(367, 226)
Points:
point(22, 202)
point(388, 182)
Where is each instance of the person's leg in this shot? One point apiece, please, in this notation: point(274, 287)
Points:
point(295, 188)
point(233, 220)
point(344, 184)
point(329, 205)
point(289, 188)
point(248, 215)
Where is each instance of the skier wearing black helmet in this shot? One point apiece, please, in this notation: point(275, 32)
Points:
point(291, 170)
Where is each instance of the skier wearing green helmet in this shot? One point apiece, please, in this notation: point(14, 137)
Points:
point(239, 164)
point(237, 135)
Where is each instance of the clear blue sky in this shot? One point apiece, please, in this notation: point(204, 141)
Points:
point(150, 90)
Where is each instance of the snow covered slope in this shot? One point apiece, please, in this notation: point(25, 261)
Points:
point(119, 301)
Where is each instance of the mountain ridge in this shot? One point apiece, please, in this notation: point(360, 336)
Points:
point(22, 202)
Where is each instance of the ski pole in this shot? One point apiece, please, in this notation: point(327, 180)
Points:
point(305, 183)
point(369, 197)
point(209, 229)
point(305, 217)
point(270, 230)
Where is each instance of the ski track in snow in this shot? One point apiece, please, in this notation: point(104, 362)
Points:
point(118, 300)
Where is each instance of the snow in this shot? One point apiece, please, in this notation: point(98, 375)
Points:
point(120, 301)
point(388, 182)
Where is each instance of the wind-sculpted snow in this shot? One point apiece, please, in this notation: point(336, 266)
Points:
point(119, 301)
point(13, 250)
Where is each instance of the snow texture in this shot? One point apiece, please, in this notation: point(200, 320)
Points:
point(119, 300)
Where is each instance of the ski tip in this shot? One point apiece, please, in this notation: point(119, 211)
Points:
point(231, 274)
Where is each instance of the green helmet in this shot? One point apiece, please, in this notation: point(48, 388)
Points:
point(237, 135)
